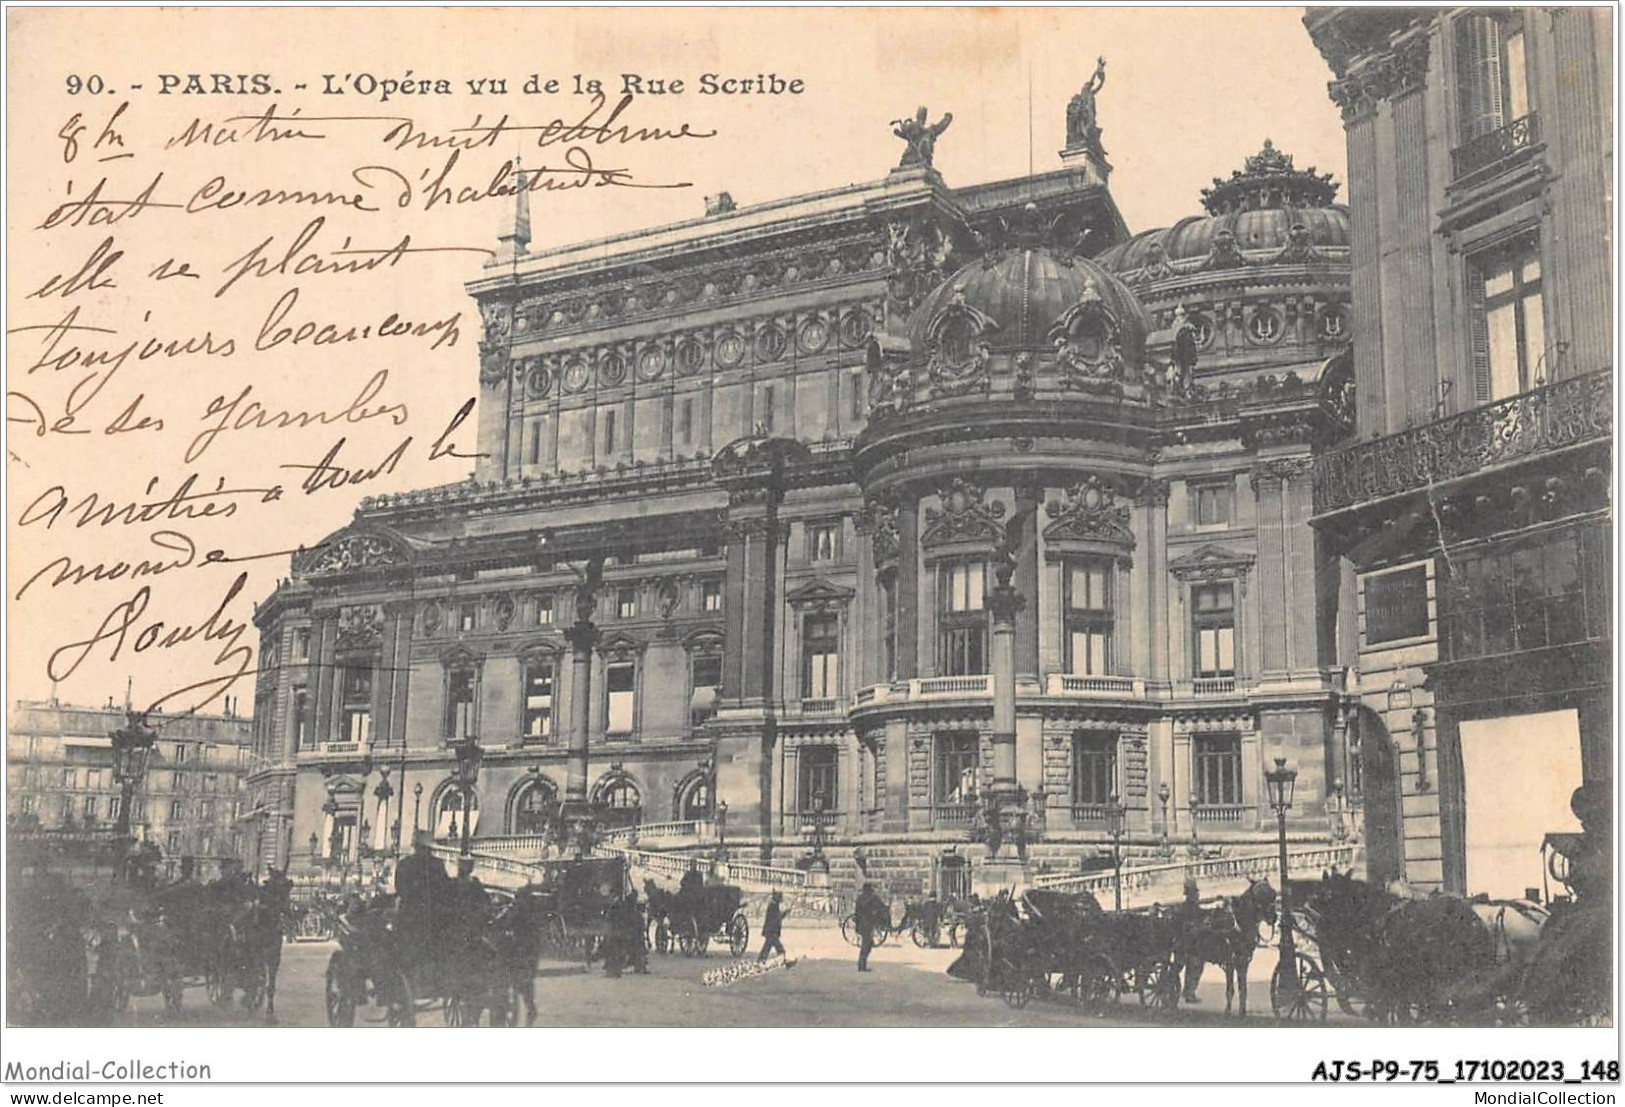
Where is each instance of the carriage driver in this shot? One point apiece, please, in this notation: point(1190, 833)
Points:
point(1190, 914)
point(422, 887)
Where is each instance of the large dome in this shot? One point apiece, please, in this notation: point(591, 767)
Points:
point(1268, 213)
point(1023, 292)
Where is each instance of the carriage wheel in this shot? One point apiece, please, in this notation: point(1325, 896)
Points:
point(956, 934)
point(881, 934)
point(1303, 1000)
point(659, 936)
point(340, 1004)
point(922, 936)
point(849, 930)
point(1159, 986)
point(403, 1008)
point(738, 935)
point(1019, 991)
point(1098, 984)
point(691, 940)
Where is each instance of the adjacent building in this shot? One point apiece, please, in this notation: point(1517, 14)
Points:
point(59, 776)
point(1473, 518)
point(749, 486)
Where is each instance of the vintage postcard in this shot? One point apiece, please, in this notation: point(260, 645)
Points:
point(1077, 520)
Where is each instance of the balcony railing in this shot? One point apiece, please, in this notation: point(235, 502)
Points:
point(1088, 812)
point(954, 686)
point(807, 822)
point(1220, 812)
point(1213, 686)
point(953, 814)
point(1493, 147)
point(1565, 413)
point(820, 706)
point(1067, 684)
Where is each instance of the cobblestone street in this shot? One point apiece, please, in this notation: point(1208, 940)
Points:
point(907, 987)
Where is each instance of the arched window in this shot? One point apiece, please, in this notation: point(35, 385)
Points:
point(619, 801)
point(533, 810)
point(620, 794)
point(448, 822)
point(696, 801)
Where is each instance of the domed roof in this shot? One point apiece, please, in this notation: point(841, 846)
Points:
point(1268, 213)
point(1023, 292)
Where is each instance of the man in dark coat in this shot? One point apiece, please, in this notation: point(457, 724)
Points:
point(772, 926)
point(1189, 916)
point(871, 914)
point(423, 890)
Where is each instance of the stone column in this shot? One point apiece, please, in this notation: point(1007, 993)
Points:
point(1005, 603)
point(1359, 120)
point(1025, 581)
point(583, 636)
point(908, 588)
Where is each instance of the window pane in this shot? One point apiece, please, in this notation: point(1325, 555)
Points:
point(976, 580)
point(1517, 81)
point(1502, 325)
point(1498, 278)
point(1534, 337)
point(1227, 650)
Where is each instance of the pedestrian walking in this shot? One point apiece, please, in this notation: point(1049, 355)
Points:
point(772, 925)
point(867, 916)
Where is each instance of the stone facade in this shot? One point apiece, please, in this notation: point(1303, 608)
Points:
point(1474, 527)
point(780, 458)
point(59, 770)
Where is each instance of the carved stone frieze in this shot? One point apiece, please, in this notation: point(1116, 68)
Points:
point(360, 625)
point(353, 552)
point(1089, 511)
point(1088, 344)
point(964, 515)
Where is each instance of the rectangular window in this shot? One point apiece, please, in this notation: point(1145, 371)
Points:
point(821, 657)
point(114, 803)
point(301, 643)
point(174, 842)
point(956, 768)
point(765, 419)
point(711, 595)
point(357, 694)
point(175, 809)
point(685, 421)
point(1217, 768)
point(1396, 605)
point(609, 431)
point(963, 641)
point(706, 673)
point(544, 610)
point(856, 410)
point(1551, 593)
point(93, 780)
point(1509, 322)
point(467, 617)
point(823, 541)
point(1094, 769)
point(817, 774)
point(1089, 617)
point(626, 603)
point(459, 703)
point(1492, 79)
point(90, 808)
point(181, 750)
point(1214, 616)
point(1212, 504)
point(538, 720)
point(621, 681)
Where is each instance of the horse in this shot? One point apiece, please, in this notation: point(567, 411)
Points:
point(1227, 936)
point(516, 934)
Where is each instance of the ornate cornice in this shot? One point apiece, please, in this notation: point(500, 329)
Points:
point(964, 515)
point(1090, 511)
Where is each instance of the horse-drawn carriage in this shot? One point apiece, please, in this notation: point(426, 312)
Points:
point(695, 916)
point(463, 968)
point(576, 899)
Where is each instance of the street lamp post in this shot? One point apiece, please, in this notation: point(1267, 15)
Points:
point(1114, 827)
point(722, 830)
point(132, 747)
point(1196, 840)
point(1165, 848)
point(1340, 830)
point(383, 793)
point(469, 755)
point(417, 800)
point(1280, 781)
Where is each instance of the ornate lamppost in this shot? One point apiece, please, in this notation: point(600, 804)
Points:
point(1114, 827)
point(1280, 782)
point(1340, 830)
point(133, 744)
point(722, 830)
point(469, 755)
point(417, 801)
point(1165, 848)
point(383, 793)
point(1195, 847)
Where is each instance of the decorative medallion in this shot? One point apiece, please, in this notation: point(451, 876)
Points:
point(1201, 330)
point(431, 618)
point(730, 349)
point(360, 625)
point(651, 363)
point(965, 515)
point(1091, 511)
point(504, 612)
point(612, 369)
point(1337, 396)
point(576, 376)
point(856, 326)
point(1334, 324)
point(540, 380)
point(1088, 343)
point(813, 335)
point(1265, 327)
point(493, 364)
point(770, 342)
point(690, 357)
point(958, 354)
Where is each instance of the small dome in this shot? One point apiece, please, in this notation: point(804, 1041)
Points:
point(1266, 214)
point(1024, 292)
